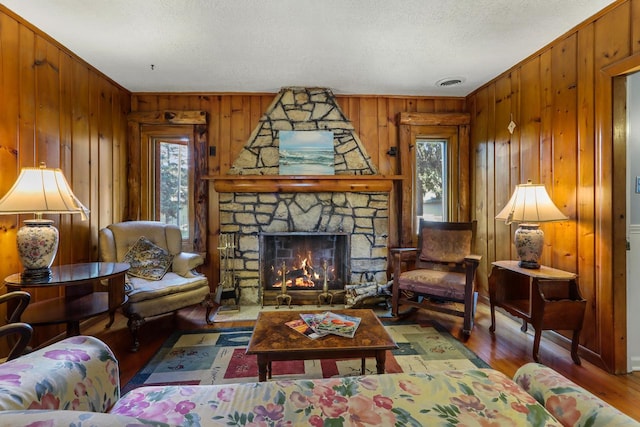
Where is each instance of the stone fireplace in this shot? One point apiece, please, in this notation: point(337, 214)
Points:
point(256, 202)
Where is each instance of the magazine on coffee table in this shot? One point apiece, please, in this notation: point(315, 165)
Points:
point(332, 323)
point(311, 319)
point(299, 325)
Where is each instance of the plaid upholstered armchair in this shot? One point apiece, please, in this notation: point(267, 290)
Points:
point(440, 273)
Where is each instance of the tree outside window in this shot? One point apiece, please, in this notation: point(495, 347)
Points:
point(430, 179)
point(173, 184)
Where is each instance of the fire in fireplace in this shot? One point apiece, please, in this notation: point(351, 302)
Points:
point(306, 261)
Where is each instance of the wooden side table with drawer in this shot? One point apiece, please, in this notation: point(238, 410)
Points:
point(547, 298)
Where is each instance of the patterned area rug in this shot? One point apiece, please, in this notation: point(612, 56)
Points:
point(218, 357)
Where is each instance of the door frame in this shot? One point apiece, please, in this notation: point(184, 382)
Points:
point(611, 111)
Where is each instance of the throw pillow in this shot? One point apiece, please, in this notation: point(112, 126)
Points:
point(148, 260)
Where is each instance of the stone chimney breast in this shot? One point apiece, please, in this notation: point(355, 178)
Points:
point(302, 109)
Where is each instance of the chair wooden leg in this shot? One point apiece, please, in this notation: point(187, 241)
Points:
point(536, 343)
point(467, 325)
point(469, 315)
point(394, 308)
point(134, 326)
point(112, 318)
point(209, 304)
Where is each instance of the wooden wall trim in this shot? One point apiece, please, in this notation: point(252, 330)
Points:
point(626, 65)
point(434, 119)
point(201, 190)
point(169, 117)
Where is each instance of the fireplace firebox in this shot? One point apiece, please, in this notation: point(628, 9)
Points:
point(306, 263)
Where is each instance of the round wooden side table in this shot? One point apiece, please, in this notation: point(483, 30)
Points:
point(81, 300)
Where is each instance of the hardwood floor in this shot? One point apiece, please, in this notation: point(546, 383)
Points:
point(505, 351)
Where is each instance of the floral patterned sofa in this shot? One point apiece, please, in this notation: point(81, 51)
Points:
point(75, 383)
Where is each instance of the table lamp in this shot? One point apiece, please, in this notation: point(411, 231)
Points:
point(39, 191)
point(530, 205)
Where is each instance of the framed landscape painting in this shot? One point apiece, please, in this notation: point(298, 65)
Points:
point(306, 152)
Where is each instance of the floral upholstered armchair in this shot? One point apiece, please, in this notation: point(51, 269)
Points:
point(162, 278)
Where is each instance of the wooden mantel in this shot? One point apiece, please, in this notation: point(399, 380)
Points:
point(302, 183)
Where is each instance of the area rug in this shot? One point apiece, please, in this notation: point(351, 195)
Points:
point(218, 357)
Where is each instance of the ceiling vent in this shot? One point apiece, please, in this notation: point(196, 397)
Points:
point(449, 81)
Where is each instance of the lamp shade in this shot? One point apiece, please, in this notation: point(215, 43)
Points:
point(41, 191)
point(530, 203)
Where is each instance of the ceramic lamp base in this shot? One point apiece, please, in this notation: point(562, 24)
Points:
point(37, 247)
point(529, 241)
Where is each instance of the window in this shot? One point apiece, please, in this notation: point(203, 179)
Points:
point(430, 180)
point(446, 135)
point(169, 177)
point(173, 190)
point(150, 128)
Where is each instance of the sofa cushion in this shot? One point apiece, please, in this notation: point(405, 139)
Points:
point(196, 293)
point(148, 260)
point(141, 289)
point(446, 284)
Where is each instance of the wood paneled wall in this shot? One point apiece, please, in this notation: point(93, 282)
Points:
point(561, 99)
point(232, 118)
point(57, 109)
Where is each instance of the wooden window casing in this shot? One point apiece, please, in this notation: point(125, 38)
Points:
point(452, 127)
point(143, 125)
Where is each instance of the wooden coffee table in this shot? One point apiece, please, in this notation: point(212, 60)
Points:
point(272, 340)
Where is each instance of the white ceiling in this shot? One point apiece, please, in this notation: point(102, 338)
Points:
point(395, 47)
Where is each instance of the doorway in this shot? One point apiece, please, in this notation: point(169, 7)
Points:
point(633, 219)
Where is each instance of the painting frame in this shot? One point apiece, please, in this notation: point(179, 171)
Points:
point(308, 152)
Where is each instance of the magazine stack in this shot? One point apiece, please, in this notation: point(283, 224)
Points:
point(320, 324)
